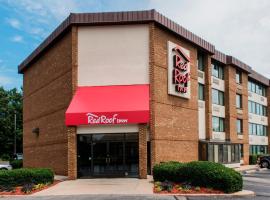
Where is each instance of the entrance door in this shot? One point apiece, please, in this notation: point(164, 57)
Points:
point(108, 155)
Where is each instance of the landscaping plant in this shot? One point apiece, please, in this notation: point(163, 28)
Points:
point(199, 174)
point(21, 177)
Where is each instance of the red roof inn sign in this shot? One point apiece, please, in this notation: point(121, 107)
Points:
point(178, 71)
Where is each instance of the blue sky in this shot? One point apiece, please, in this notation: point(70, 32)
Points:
point(242, 30)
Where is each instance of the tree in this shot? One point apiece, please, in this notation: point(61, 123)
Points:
point(10, 104)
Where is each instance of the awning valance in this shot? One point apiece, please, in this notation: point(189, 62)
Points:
point(124, 104)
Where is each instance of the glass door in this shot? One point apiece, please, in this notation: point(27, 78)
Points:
point(84, 155)
point(100, 158)
point(115, 158)
point(108, 155)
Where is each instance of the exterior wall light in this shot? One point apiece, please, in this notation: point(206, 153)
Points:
point(36, 131)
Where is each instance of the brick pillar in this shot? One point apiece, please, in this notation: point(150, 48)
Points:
point(245, 117)
point(72, 131)
point(208, 97)
point(152, 93)
point(232, 113)
point(143, 151)
point(72, 153)
point(230, 102)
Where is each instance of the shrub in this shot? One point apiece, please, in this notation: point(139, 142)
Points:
point(253, 159)
point(5, 157)
point(167, 171)
point(16, 164)
point(20, 177)
point(200, 173)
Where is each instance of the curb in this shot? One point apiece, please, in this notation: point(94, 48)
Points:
point(253, 170)
point(243, 193)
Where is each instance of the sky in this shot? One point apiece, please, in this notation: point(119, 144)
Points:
point(239, 28)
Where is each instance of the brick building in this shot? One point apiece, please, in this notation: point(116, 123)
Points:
point(111, 94)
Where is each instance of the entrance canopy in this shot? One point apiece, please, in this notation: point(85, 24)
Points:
point(128, 104)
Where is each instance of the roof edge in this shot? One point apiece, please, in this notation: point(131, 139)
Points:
point(259, 78)
point(129, 17)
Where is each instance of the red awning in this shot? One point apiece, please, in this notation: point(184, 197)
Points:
point(128, 104)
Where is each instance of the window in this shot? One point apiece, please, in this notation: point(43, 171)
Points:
point(217, 71)
point(239, 126)
point(220, 152)
point(241, 150)
point(258, 149)
point(257, 108)
point(200, 61)
point(257, 88)
point(238, 101)
point(218, 124)
point(201, 92)
point(257, 129)
point(238, 77)
point(217, 97)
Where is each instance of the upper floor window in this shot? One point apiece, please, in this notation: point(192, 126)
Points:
point(217, 70)
point(238, 101)
point(257, 129)
point(256, 88)
point(238, 77)
point(239, 126)
point(201, 92)
point(257, 108)
point(218, 124)
point(200, 61)
point(217, 97)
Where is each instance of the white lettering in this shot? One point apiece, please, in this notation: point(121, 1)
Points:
point(94, 119)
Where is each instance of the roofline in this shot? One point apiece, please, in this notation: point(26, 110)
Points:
point(259, 78)
point(137, 17)
point(111, 18)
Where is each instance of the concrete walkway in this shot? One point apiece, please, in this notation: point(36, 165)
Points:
point(125, 186)
point(244, 168)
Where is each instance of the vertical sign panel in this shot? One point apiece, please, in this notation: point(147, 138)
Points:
point(178, 71)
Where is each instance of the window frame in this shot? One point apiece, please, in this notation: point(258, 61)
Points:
point(238, 77)
point(220, 97)
point(239, 127)
point(240, 106)
point(221, 124)
point(217, 70)
point(201, 92)
point(200, 61)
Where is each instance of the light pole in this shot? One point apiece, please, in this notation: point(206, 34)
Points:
point(15, 135)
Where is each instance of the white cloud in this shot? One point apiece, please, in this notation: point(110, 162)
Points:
point(240, 28)
point(17, 38)
point(14, 23)
point(4, 80)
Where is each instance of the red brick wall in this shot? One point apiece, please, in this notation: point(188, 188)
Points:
point(174, 120)
point(47, 94)
point(232, 114)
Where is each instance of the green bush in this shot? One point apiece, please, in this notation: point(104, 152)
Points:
point(253, 159)
point(5, 157)
point(16, 164)
point(20, 177)
point(167, 171)
point(201, 173)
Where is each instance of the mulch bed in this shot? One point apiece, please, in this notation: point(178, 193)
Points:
point(178, 189)
point(17, 190)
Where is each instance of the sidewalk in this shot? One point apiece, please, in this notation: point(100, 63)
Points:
point(246, 169)
point(126, 186)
